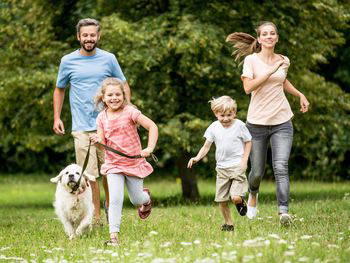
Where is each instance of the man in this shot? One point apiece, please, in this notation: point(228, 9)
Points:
point(85, 69)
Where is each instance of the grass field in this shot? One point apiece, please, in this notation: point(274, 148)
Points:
point(177, 231)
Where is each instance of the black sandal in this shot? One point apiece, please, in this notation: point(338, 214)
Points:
point(242, 208)
point(112, 242)
point(226, 227)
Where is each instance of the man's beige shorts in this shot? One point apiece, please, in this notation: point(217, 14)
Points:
point(230, 182)
point(81, 145)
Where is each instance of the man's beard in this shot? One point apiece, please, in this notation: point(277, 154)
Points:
point(88, 49)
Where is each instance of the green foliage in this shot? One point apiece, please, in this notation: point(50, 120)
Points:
point(175, 58)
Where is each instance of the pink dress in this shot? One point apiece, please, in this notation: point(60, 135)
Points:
point(121, 134)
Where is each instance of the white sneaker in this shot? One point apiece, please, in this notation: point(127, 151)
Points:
point(285, 219)
point(252, 211)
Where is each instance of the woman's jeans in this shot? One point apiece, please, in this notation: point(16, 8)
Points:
point(281, 138)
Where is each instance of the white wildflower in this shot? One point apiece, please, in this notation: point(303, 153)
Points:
point(166, 244)
point(216, 245)
point(247, 258)
point(282, 241)
point(303, 259)
point(289, 253)
point(145, 255)
point(305, 237)
point(186, 243)
point(333, 246)
point(274, 236)
point(153, 233)
point(197, 242)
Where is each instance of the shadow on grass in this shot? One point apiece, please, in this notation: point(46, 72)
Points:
point(178, 200)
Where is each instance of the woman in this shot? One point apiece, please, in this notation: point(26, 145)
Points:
point(269, 114)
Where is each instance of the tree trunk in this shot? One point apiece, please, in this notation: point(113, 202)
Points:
point(188, 178)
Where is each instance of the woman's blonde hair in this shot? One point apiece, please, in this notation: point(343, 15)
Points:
point(245, 44)
point(223, 104)
point(100, 105)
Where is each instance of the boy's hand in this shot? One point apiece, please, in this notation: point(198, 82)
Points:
point(94, 138)
point(243, 165)
point(192, 161)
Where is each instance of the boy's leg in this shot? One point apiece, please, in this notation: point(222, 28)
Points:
point(116, 198)
point(225, 211)
point(238, 189)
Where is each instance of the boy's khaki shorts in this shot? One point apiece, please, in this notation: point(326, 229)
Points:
point(230, 182)
point(81, 145)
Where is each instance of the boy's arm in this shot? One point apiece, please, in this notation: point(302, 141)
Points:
point(247, 148)
point(202, 152)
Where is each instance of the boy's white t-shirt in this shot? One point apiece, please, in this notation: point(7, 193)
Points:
point(229, 142)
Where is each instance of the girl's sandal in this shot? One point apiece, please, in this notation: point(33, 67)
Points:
point(112, 242)
point(145, 210)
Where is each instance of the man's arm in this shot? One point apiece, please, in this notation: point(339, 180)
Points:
point(127, 91)
point(58, 98)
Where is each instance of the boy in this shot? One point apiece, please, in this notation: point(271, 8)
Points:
point(233, 143)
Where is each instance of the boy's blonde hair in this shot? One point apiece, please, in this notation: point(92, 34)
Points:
point(223, 104)
point(100, 105)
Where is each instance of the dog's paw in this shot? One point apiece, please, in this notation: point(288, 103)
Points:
point(71, 236)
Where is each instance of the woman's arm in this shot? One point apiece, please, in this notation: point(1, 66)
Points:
point(252, 84)
point(152, 128)
point(202, 152)
point(304, 103)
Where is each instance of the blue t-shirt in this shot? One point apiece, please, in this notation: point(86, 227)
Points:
point(85, 75)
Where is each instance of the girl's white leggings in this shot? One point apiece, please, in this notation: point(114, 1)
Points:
point(116, 197)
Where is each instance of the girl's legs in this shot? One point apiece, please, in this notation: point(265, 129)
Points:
point(281, 144)
point(116, 198)
point(135, 189)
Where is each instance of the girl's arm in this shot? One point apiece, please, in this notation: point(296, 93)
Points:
point(202, 152)
point(304, 104)
point(250, 85)
point(152, 129)
point(247, 148)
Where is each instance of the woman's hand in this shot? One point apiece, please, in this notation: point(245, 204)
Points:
point(304, 103)
point(276, 66)
point(243, 165)
point(94, 138)
point(146, 152)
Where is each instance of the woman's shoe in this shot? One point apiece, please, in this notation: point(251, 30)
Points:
point(252, 211)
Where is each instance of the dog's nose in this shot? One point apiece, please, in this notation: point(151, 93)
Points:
point(71, 177)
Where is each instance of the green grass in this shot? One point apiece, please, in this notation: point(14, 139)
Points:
point(178, 231)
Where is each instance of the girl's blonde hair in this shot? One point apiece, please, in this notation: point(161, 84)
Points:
point(223, 104)
point(100, 105)
point(245, 44)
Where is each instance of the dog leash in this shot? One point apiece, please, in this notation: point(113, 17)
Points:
point(155, 159)
point(76, 186)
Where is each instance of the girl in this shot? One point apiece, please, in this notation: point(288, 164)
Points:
point(117, 128)
point(269, 114)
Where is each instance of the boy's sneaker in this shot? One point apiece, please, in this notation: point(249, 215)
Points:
point(242, 208)
point(285, 219)
point(226, 227)
point(252, 210)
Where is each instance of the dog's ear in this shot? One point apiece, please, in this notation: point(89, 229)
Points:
point(89, 177)
point(57, 178)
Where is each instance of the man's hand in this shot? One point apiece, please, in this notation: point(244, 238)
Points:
point(192, 161)
point(58, 127)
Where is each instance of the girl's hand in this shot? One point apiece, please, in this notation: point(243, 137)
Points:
point(276, 66)
point(304, 103)
point(192, 161)
point(146, 152)
point(94, 138)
